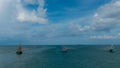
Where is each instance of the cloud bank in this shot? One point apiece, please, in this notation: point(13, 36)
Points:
point(107, 16)
point(16, 20)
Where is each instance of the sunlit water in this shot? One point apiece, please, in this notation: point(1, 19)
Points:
point(52, 57)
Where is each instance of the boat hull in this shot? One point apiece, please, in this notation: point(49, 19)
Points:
point(111, 50)
point(19, 53)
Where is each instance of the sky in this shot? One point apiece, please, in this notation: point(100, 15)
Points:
point(59, 22)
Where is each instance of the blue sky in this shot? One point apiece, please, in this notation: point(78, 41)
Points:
point(59, 22)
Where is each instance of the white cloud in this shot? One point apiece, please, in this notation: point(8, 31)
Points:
point(35, 16)
point(30, 17)
point(104, 37)
point(12, 29)
point(77, 27)
point(107, 16)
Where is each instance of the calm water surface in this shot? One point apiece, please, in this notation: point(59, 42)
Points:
point(52, 57)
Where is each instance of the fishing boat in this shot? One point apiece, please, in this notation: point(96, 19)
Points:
point(64, 49)
point(111, 49)
point(19, 50)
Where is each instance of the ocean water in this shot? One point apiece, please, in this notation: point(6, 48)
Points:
point(52, 57)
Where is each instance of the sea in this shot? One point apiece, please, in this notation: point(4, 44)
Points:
point(78, 56)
